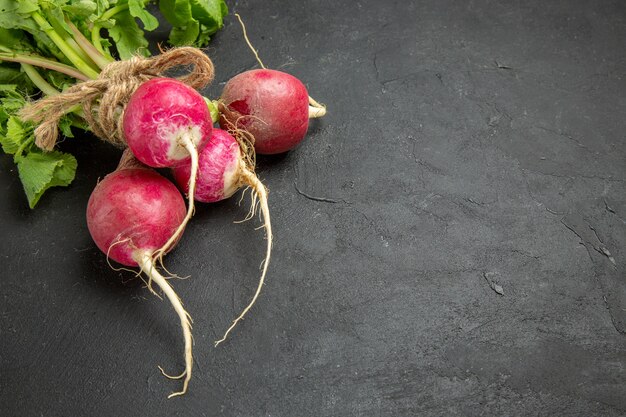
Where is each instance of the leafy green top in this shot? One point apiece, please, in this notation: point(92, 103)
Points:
point(38, 171)
point(70, 40)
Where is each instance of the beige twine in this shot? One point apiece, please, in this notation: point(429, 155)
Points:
point(103, 100)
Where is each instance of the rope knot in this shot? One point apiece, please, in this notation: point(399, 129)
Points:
point(104, 99)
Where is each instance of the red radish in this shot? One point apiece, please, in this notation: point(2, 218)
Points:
point(271, 105)
point(132, 213)
point(226, 165)
point(167, 122)
point(219, 169)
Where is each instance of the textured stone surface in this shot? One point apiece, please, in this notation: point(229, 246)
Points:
point(449, 239)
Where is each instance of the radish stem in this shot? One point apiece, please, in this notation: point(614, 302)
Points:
point(39, 61)
point(96, 40)
point(71, 42)
point(250, 179)
point(69, 52)
point(96, 56)
point(146, 263)
point(38, 80)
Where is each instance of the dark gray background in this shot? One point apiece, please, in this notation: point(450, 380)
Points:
point(470, 146)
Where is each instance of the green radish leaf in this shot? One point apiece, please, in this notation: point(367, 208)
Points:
point(203, 37)
point(75, 121)
point(12, 74)
point(4, 116)
point(137, 9)
point(210, 13)
point(7, 90)
point(102, 6)
point(40, 171)
point(16, 15)
point(27, 6)
point(197, 19)
point(185, 35)
point(81, 8)
point(128, 37)
point(15, 20)
point(65, 126)
point(177, 12)
point(59, 81)
point(12, 101)
point(15, 135)
point(185, 28)
point(14, 40)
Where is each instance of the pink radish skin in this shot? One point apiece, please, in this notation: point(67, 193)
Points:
point(221, 173)
point(165, 123)
point(218, 169)
point(272, 105)
point(132, 213)
point(160, 116)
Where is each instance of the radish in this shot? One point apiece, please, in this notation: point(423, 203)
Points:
point(226, 165)
point(271, 105)
point(165, 123)
point(220, 167)
point(132, 213)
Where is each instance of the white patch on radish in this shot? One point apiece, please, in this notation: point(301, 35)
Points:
point(173, 133)
point(232, 178)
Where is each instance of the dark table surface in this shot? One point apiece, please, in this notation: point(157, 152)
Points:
point(449, 240)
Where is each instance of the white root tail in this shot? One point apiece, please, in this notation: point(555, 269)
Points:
point(193, 152)
point(316, 109)
point(148, 267)
point(259, 191)
point(245, 36)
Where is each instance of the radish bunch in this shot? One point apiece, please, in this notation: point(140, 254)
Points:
point(135, 215)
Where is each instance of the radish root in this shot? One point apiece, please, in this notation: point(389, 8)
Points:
point(147, 265)
point(316, 109)
point(245, 36)
point(259, 197)
point(185, 141)
point(168, 376)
